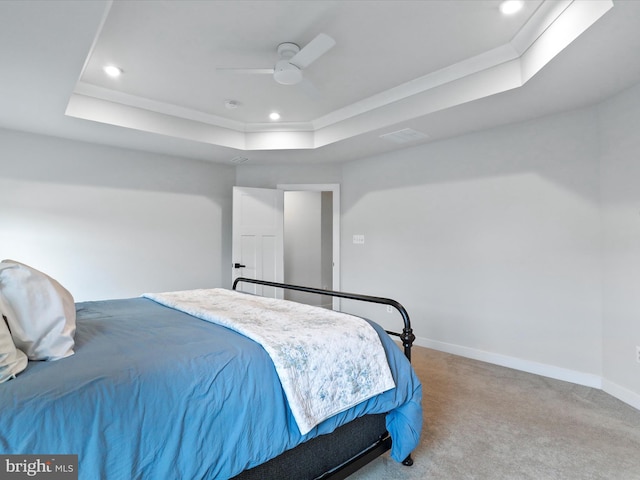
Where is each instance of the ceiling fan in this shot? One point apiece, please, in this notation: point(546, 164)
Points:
point(293, 60)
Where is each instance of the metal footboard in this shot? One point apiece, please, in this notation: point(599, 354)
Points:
point(407, 337)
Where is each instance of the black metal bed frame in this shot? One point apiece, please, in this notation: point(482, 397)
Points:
point(407, 337)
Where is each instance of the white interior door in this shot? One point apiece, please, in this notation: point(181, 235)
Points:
point(257, 247)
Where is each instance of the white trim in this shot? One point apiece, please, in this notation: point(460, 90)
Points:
point(335, 189)
point(580, 378)
point(621, 393)
point(551, 371)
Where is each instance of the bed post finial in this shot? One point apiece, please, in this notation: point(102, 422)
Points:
point(407, 338)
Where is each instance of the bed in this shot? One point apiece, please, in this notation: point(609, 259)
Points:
point(154, 392)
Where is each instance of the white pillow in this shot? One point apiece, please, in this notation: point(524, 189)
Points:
point(41, 313)
point(12, 360)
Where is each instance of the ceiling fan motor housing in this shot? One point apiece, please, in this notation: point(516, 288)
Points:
point(287, 50)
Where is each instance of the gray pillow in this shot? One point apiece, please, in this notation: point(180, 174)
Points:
point(40, 312)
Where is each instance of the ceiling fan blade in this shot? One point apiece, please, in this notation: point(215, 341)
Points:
point(309, 89)
point(245, 70)
point(312, 51)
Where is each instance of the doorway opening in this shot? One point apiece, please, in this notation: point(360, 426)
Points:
point(312, 241)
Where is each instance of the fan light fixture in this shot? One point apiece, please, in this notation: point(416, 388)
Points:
point(286, 73)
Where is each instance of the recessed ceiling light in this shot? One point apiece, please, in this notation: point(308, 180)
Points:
point(274, 116)
point(509, 7)
point(112, 70)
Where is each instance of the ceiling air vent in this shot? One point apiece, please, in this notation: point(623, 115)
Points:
point(405, 135)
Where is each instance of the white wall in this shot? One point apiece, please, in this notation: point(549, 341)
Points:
point(620, 151)
point(269, 176)
point(111, 223)
point(491, 240)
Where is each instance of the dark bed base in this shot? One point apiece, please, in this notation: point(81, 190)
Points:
point(339, 454)
point(317, 458)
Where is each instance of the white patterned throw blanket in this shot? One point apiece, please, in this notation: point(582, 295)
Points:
point(327, 361)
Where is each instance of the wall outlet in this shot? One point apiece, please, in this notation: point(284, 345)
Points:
point(638, 353)
point(389, 309)
point(358, 239)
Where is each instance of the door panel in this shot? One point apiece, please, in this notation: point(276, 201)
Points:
point(257, 237)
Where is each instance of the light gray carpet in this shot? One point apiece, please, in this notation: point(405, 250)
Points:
point(483, 421)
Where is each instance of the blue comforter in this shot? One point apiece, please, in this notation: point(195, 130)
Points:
point(155, 393)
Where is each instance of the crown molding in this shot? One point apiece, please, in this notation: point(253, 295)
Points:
point(549, 30)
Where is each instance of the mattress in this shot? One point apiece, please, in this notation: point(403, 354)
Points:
point(152, 392)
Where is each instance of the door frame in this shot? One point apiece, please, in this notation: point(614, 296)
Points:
point(334, 188)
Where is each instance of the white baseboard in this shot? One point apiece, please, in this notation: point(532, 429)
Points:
point(621, 393)
point(558, 373)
